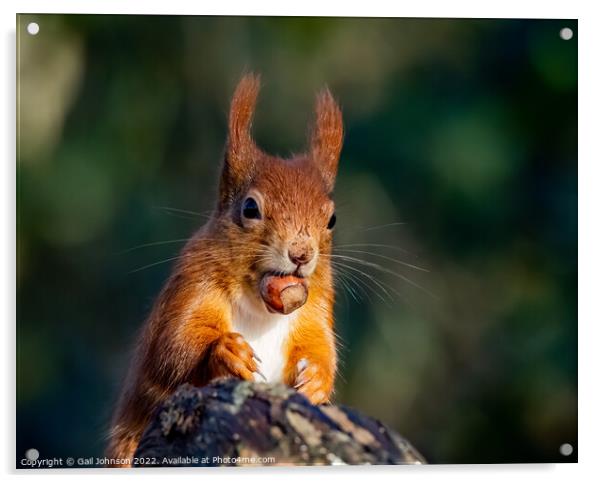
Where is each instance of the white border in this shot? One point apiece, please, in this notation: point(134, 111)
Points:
point(376, 8)
point(590, 234)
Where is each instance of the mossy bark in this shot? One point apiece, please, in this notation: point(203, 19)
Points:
point(237, 423)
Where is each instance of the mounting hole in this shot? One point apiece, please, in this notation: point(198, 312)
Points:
point(566, 449)
point(32, 454)
point(33, 28)
point(566, 33)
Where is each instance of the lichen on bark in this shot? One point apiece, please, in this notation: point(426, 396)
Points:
point(233, 422)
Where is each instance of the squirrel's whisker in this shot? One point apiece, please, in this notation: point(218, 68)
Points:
point(152, 244)
point(154, 264)
point(370, 277)
point(212, 257)
point(401, 262)
point(385, 270)
point(376, 245)
point(362, 229)
point(353, 279)
point(391, 272)
point(184, 217)
point(387, 225)
point(340, 277)
point(346, 290)
point(362, 293)
point(166, 242)
point(361, 283)
point(184, 212)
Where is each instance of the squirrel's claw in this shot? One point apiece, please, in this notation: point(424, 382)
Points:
point(300, 384)
point(302, 365)
point(257, 371)
point(308, 381)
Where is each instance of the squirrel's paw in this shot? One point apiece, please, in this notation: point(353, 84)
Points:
point(233, 356)
point(311, 381)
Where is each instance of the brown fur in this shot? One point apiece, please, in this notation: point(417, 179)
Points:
point(188, 335)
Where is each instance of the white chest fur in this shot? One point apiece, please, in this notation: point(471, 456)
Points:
point(266, 333)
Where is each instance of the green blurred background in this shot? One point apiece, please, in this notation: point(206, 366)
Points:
point(460, 157)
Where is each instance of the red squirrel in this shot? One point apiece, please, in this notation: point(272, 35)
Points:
point(251, 295)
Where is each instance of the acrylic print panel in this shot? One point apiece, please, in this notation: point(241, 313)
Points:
point(306, 240)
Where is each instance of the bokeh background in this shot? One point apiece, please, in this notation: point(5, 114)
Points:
point(460, 157)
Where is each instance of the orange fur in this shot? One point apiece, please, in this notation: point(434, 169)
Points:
point(313, 339)
point(188, 336)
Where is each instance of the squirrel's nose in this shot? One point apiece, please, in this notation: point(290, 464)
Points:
point(300, 254)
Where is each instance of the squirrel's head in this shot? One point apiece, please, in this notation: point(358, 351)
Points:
point(281, 208)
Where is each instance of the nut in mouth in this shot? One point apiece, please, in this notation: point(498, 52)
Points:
point(283, 293)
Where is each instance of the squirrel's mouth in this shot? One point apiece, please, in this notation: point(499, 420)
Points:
point(283, 293)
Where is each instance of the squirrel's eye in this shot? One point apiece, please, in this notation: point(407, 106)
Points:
point(332, 221)
point(250, 209)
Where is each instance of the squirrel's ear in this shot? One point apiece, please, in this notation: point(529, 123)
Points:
point(327, 136)
point(241, 151)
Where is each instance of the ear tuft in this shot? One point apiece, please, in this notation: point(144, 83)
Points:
point(242, 107)
point(241, 151)
point(327, 136)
